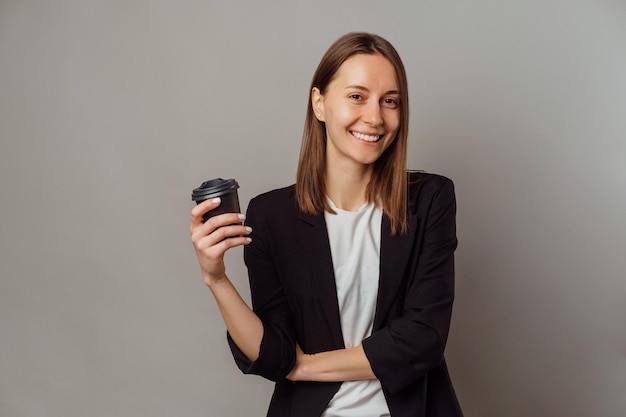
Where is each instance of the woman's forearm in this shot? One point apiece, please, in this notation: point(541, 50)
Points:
point(335, 365)
point(243, 325)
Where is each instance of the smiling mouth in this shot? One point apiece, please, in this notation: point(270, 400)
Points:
point(367, 138)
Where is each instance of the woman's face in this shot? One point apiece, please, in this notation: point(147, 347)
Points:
point(361, 110)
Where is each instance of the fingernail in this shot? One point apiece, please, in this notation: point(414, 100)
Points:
point(248, 239)
point(248, 228)
point(216, 200)
point(242, 216)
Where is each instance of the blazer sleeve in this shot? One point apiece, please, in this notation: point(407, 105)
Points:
point(277, 351)
point(413, 343)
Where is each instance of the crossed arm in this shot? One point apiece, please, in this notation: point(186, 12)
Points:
point(246, 330)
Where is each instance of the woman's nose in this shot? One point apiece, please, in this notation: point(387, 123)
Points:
point(373, 114)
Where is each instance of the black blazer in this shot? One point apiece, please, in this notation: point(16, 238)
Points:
point(293, 292)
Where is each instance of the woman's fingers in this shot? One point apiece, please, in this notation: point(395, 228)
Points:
point(215, 223)
point(215, 236)
point(216, 251)
point(211, 239)
point(198, 211)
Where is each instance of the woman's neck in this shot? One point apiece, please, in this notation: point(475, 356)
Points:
point(347, 187)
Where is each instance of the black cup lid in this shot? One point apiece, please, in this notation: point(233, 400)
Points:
point(214, 188)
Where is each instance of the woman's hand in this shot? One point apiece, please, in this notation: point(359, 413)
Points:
point(297, 373)
point(331, 366)
point(214, 237)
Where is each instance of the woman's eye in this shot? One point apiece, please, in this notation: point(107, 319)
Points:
point(391, 102)
point(356, 96)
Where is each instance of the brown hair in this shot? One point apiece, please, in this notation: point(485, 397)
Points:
point(388, 185)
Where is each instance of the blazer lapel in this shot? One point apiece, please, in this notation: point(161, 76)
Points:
point(395, 254)
point(394, 257)
point(313, 234)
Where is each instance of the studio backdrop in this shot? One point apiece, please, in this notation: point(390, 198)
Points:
point(112, 112)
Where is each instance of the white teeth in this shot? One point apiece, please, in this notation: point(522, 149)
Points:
point(368, 138)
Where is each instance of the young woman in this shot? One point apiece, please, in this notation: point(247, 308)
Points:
point(351, 269)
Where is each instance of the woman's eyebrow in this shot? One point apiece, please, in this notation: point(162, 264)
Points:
point(367, 90)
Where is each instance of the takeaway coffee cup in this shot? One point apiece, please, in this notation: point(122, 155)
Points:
point(218, 187)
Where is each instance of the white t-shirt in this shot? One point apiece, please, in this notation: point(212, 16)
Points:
point(355, 248)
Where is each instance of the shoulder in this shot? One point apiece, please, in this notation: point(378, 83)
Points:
point(425, 187)
point(272, 215)
point(275, 196)
point(276, 201)
point(419, 180)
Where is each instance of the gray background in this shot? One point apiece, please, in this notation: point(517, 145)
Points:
point(111, 112)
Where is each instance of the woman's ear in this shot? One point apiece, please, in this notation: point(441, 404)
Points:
point(317, 103)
